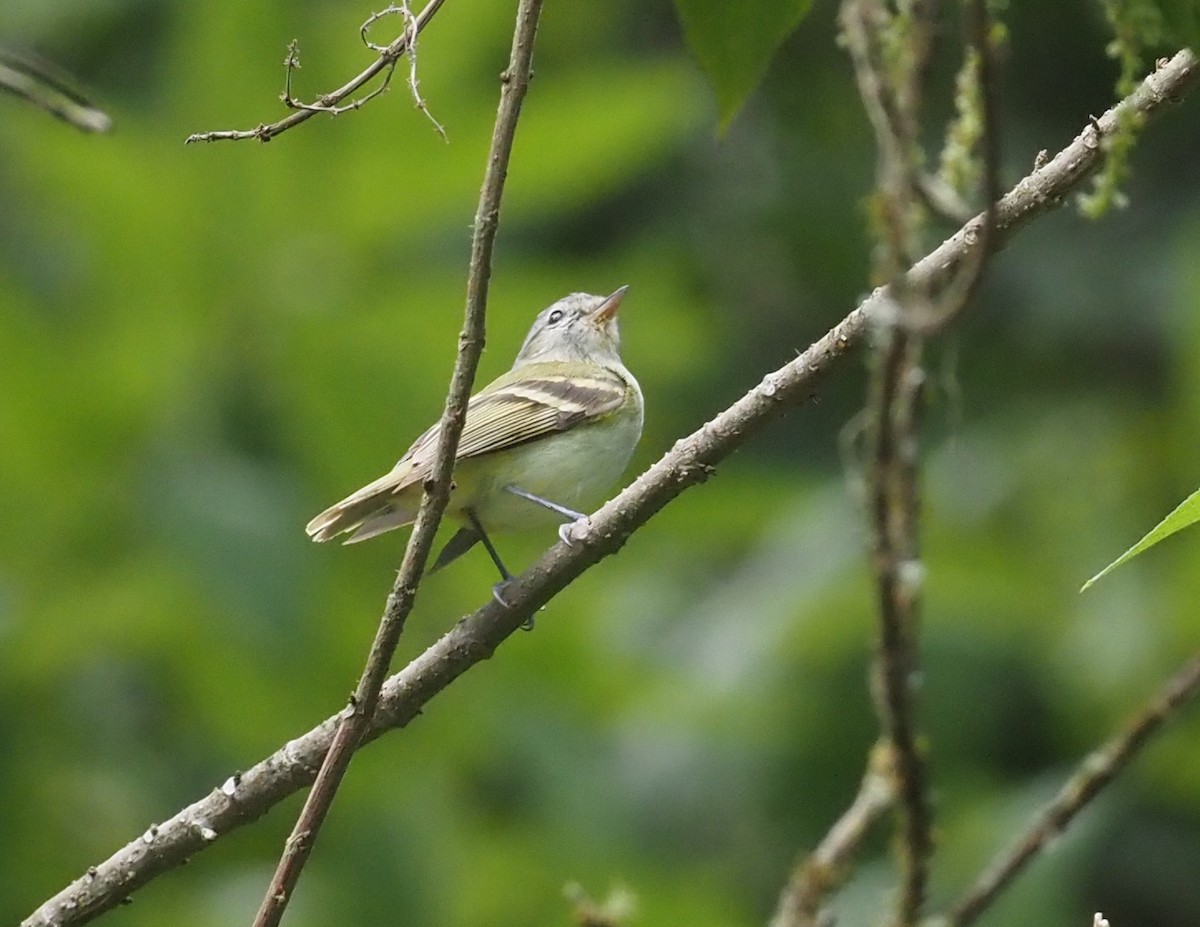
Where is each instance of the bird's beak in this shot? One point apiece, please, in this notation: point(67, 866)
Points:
point(608, 308)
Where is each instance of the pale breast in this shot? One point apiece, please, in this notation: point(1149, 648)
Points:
point(574, 469)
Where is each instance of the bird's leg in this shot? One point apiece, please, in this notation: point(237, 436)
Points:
point(573, 517)
point(488, 545)
point(505, 576)
point(569, 514)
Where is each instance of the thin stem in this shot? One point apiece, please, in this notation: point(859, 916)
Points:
point(330, 101)
point(890, 52)
point(356, 717)
point(1096, 771)
point(891, 88)
point(938, 314)
point(893, 509)
point(823, 870)
point(45, 86)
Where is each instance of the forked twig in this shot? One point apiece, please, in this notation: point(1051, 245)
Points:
point(332, 103)
point(291, 63)
point(413, 83)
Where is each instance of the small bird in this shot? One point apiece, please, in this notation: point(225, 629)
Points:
point(539, 443)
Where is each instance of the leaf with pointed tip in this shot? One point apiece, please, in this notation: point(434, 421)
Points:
point(1186, 514)
point(734, 42)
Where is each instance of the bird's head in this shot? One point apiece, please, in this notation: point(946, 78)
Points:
point(579, 327)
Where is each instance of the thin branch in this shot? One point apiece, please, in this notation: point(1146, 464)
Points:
point(920, 34)
point(291, 64)
point(1095, 772)
point(246, 797)
point(891, 92)
point(414, 85)
point(956, 297)
point(49, 89)
point(893, 511)
point(332, 102)
point(823, 870)
point(356, 717)
point(890, 53)
point(942, 199)
point(864, 25)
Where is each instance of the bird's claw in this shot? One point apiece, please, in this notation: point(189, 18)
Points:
point(527, 624)
point(575, 530)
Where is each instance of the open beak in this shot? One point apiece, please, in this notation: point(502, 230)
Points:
point(609, 307)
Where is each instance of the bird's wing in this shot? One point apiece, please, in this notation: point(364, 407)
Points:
point(513, 409)
point(517, 408)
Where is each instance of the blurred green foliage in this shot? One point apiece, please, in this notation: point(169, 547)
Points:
point(734, 46)
point(203, 346)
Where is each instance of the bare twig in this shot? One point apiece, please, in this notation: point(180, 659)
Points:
point(354, 721)
point(333, 102)
point(865, 23)
point(1095, 772)
point(890, 52)
point(823, 870)
point(291, 64)
point(890, 88)
point(919, 33)
point(893, 512)
point(45, 86)
point(956, 297)
point(403, 10)
point(942, 199)
point(246, 797)
point(414, 85)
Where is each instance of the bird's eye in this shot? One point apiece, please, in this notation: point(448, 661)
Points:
point(555, 316)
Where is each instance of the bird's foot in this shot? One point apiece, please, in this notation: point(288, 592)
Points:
point(575, 530)
point(498, 595)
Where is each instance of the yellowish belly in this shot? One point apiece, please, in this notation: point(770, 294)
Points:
point(573, 469)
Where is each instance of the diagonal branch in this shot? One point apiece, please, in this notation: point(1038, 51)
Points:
point(49, 89)
point(1095, 772)
point(246, 797)
point(823, 870)
point(354, 720)
point(328, 103)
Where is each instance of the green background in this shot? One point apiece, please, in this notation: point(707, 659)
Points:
point(201, 347)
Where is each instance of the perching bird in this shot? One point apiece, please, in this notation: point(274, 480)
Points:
point(540, 443)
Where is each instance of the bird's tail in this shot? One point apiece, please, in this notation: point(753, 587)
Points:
point(372, 510)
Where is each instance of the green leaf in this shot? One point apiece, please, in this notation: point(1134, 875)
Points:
point(1187, 513)
point(735, 41)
